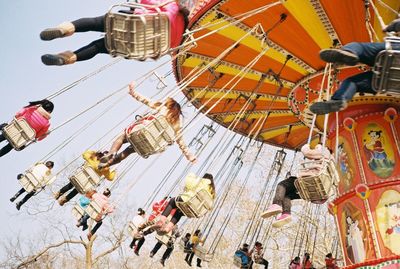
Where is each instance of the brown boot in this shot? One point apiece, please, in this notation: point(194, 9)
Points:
point(63, 58)
point(62, 30)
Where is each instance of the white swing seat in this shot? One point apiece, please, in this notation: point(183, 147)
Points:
point(386, 71)
point(201, 252)
point(78, 211)
point(197, 206)
point(85, 179)
point(164, 239)
point(133, 231)
point(315, 179)
point(19, 133)
point(94, 210)
point(30, 182)
point(137, 36)
point(151, 136)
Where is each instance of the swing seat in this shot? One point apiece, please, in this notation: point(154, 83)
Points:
point(78, 211)
point(85, 179)
point(94, 210)
point(30, 182)
point(19, 133)
point(196, 206)
point(164, 239)
point(151, 136)
point(237, 261)
point(201, 252)
point(386, 71)
point(137, 36)
point(133, 231)
point(315, 180)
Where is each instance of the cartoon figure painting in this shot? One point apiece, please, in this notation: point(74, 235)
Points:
point(353, 226)
point(378, 150)
point(345, 164)
point(388, 217)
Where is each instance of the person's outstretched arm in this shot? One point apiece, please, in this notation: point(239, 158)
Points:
point(141, 98)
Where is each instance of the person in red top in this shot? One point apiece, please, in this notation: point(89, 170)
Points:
point(330, 262)
point(158, 208)
point(177, 14)
point(37, 115)
point(306, 263)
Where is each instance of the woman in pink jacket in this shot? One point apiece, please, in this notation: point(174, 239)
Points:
point(37, 115)
point(177, 14)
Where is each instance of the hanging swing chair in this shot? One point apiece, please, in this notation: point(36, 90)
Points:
point(136, 34)
point(150, 135)
point(133, 231)
point(31, 182)
point(197, 206)
point(84, 179)
point(19, 133)
point(201, 252)
point(164, 238)
point(386, 71)
point(78, 211)
point(316, 179)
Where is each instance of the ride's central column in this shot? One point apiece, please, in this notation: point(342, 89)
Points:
point(367, 209)
point(367, 138)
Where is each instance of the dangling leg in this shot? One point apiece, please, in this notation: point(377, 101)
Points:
point(82, 54)
point(2, 137)
point(68, 28)
point(117, 144)
point(139, 245)
point(94, 229)
point(118, 157)
point(21, 191)
point(26, 198)
point(6, 149)
point(170, 225)
point(276, 206)
point(198, 262)
point(155, 249)
point(359, 83)
point(63, 190)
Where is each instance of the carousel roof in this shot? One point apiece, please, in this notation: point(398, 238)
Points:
point(224, 81)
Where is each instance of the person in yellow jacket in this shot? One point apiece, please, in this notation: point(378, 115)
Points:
point(92, 159)
point(195, 241)
point(193, 184)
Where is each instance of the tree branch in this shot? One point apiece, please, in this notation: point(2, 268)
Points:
point(34, 258)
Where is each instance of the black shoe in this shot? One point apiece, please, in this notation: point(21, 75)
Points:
point(189, 263)
point(3, 125)
point(84, 227)
point(338, 56)
point(53, 59)
point(19, 176)
point(136, 252)
point(151, 254)
point(162, 261)
point(321, 108)
point(394, 26)
point(18, 205)
point(51, 33)
point(12, 199)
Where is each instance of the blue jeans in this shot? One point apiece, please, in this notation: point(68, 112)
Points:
point(361, 83)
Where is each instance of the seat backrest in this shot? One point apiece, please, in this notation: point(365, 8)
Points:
point(137, 35)
point(386, 71)
point(94, 210)
point(85, 179)
point(78, 211)
point(151, 136)
point(19, 133)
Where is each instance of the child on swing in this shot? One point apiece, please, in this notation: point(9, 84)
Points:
point(170, 109)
